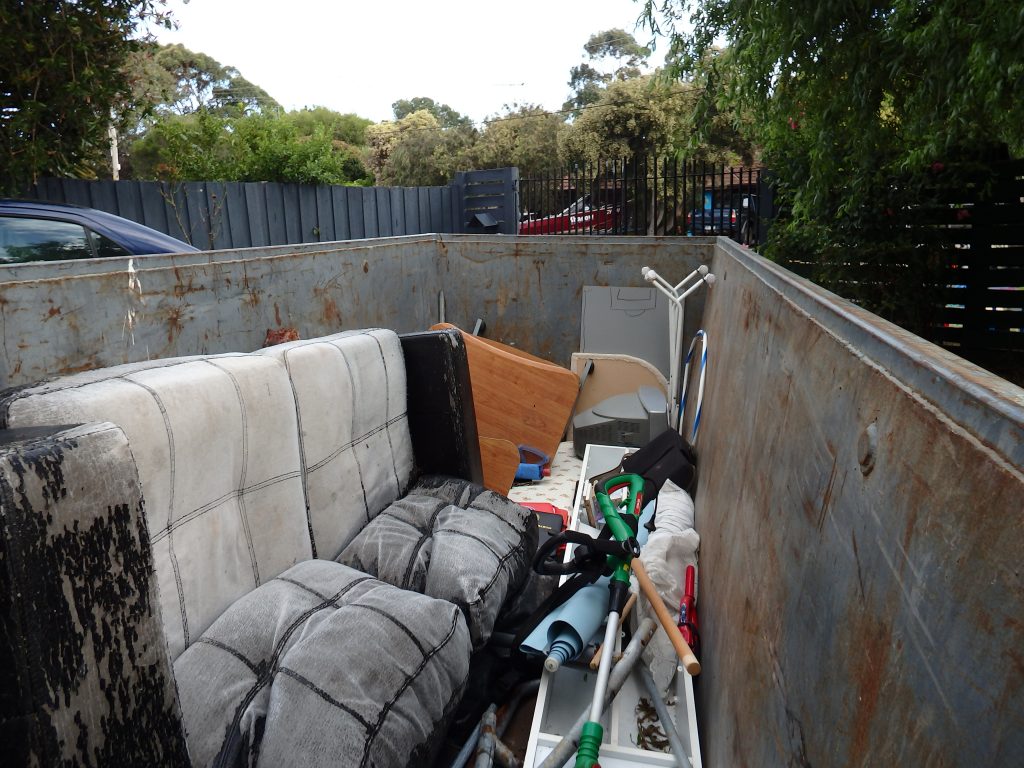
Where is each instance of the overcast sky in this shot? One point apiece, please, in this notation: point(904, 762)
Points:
point(363, 56)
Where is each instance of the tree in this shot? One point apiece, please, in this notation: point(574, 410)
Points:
point(62, 79)
point(525, 137)
point(856, 107)
point(204, 146)
point(347, 128)
point(177, 81)
point(417, 150)
point(614, 47)
point(446, 116)
point(639, 116)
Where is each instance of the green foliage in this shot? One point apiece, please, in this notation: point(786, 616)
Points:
point(525, 137)
point(347, 128)
point(614, 48)
point(172, 80)
point(642, 115)
point(417, 150)
point(207, 147)
point(446, 116)
point(853, 104)
point(61, 80)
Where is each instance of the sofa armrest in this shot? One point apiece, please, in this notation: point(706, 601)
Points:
point(85, 676)
point(442, 420)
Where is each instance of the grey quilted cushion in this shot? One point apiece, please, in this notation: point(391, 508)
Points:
point(453, 540)
point(324, 666)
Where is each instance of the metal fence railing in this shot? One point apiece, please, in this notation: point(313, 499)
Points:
point(648, 196)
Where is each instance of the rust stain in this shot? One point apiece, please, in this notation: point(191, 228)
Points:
point(870, 658)
point(183, 289)
point(52, 312)
point(983, 620)
point(174, 323)
point(280, 336)
point(277, 314)
point(88, 365)
point(331, 316)
point(366, 267)
point(908, 529)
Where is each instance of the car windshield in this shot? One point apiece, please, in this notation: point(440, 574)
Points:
point(580, 206)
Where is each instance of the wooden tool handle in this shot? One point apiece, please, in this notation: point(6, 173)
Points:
point(665, 618)
point(596, 661)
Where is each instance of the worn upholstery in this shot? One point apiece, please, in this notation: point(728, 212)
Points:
point(216, 444)
point(252, 466)
point(324, 666)
point(453, 540)
point(85, 678)
point(354, 443)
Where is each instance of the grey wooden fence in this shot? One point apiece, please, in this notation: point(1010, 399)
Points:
point(215, 215)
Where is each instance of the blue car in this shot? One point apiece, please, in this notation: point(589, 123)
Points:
point(38, 231)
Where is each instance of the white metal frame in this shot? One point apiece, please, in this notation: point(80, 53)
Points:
point(677, 297)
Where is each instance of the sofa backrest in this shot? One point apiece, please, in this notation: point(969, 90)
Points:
point(249, 463)
point(215, 440)
point(354, 442)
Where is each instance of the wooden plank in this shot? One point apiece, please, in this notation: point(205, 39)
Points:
point(309, 232)
point(398, 211)
point(236, 208)
point(128, 200)
point(277, 226)
point(175, 211)
point(103, 196)
point(383, 197)
point(356, 220)
point(370, 228)
point(292, 213)
point(436, 217)
point(77, 192)
point(194, 194)
point(411, 208)
point(517, 396)
point(51, 189)
point(500, 461)
point(256, 212)
point(325, 214)
point(486, 189)
point(219, 224)
point(339, 210)
point(423, 210)
point(154, 210)
point(453, 212)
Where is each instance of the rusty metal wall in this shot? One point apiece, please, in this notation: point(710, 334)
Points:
point(62, 317)
point(529, 290)
point(861, 510)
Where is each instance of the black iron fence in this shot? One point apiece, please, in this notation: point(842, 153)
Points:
point(648, 196)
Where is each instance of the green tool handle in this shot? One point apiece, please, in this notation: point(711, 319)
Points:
point(612, 517)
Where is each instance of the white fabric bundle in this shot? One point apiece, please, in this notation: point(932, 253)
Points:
point(669, 549)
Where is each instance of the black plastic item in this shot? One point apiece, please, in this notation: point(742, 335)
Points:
point(442, 420)
point(666, 457)
point(482, 223)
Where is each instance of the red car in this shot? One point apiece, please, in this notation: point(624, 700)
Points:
point(579, 218)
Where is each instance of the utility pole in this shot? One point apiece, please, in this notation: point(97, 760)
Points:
point(115, 164)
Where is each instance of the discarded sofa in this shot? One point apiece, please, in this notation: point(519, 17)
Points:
point(275, 558)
